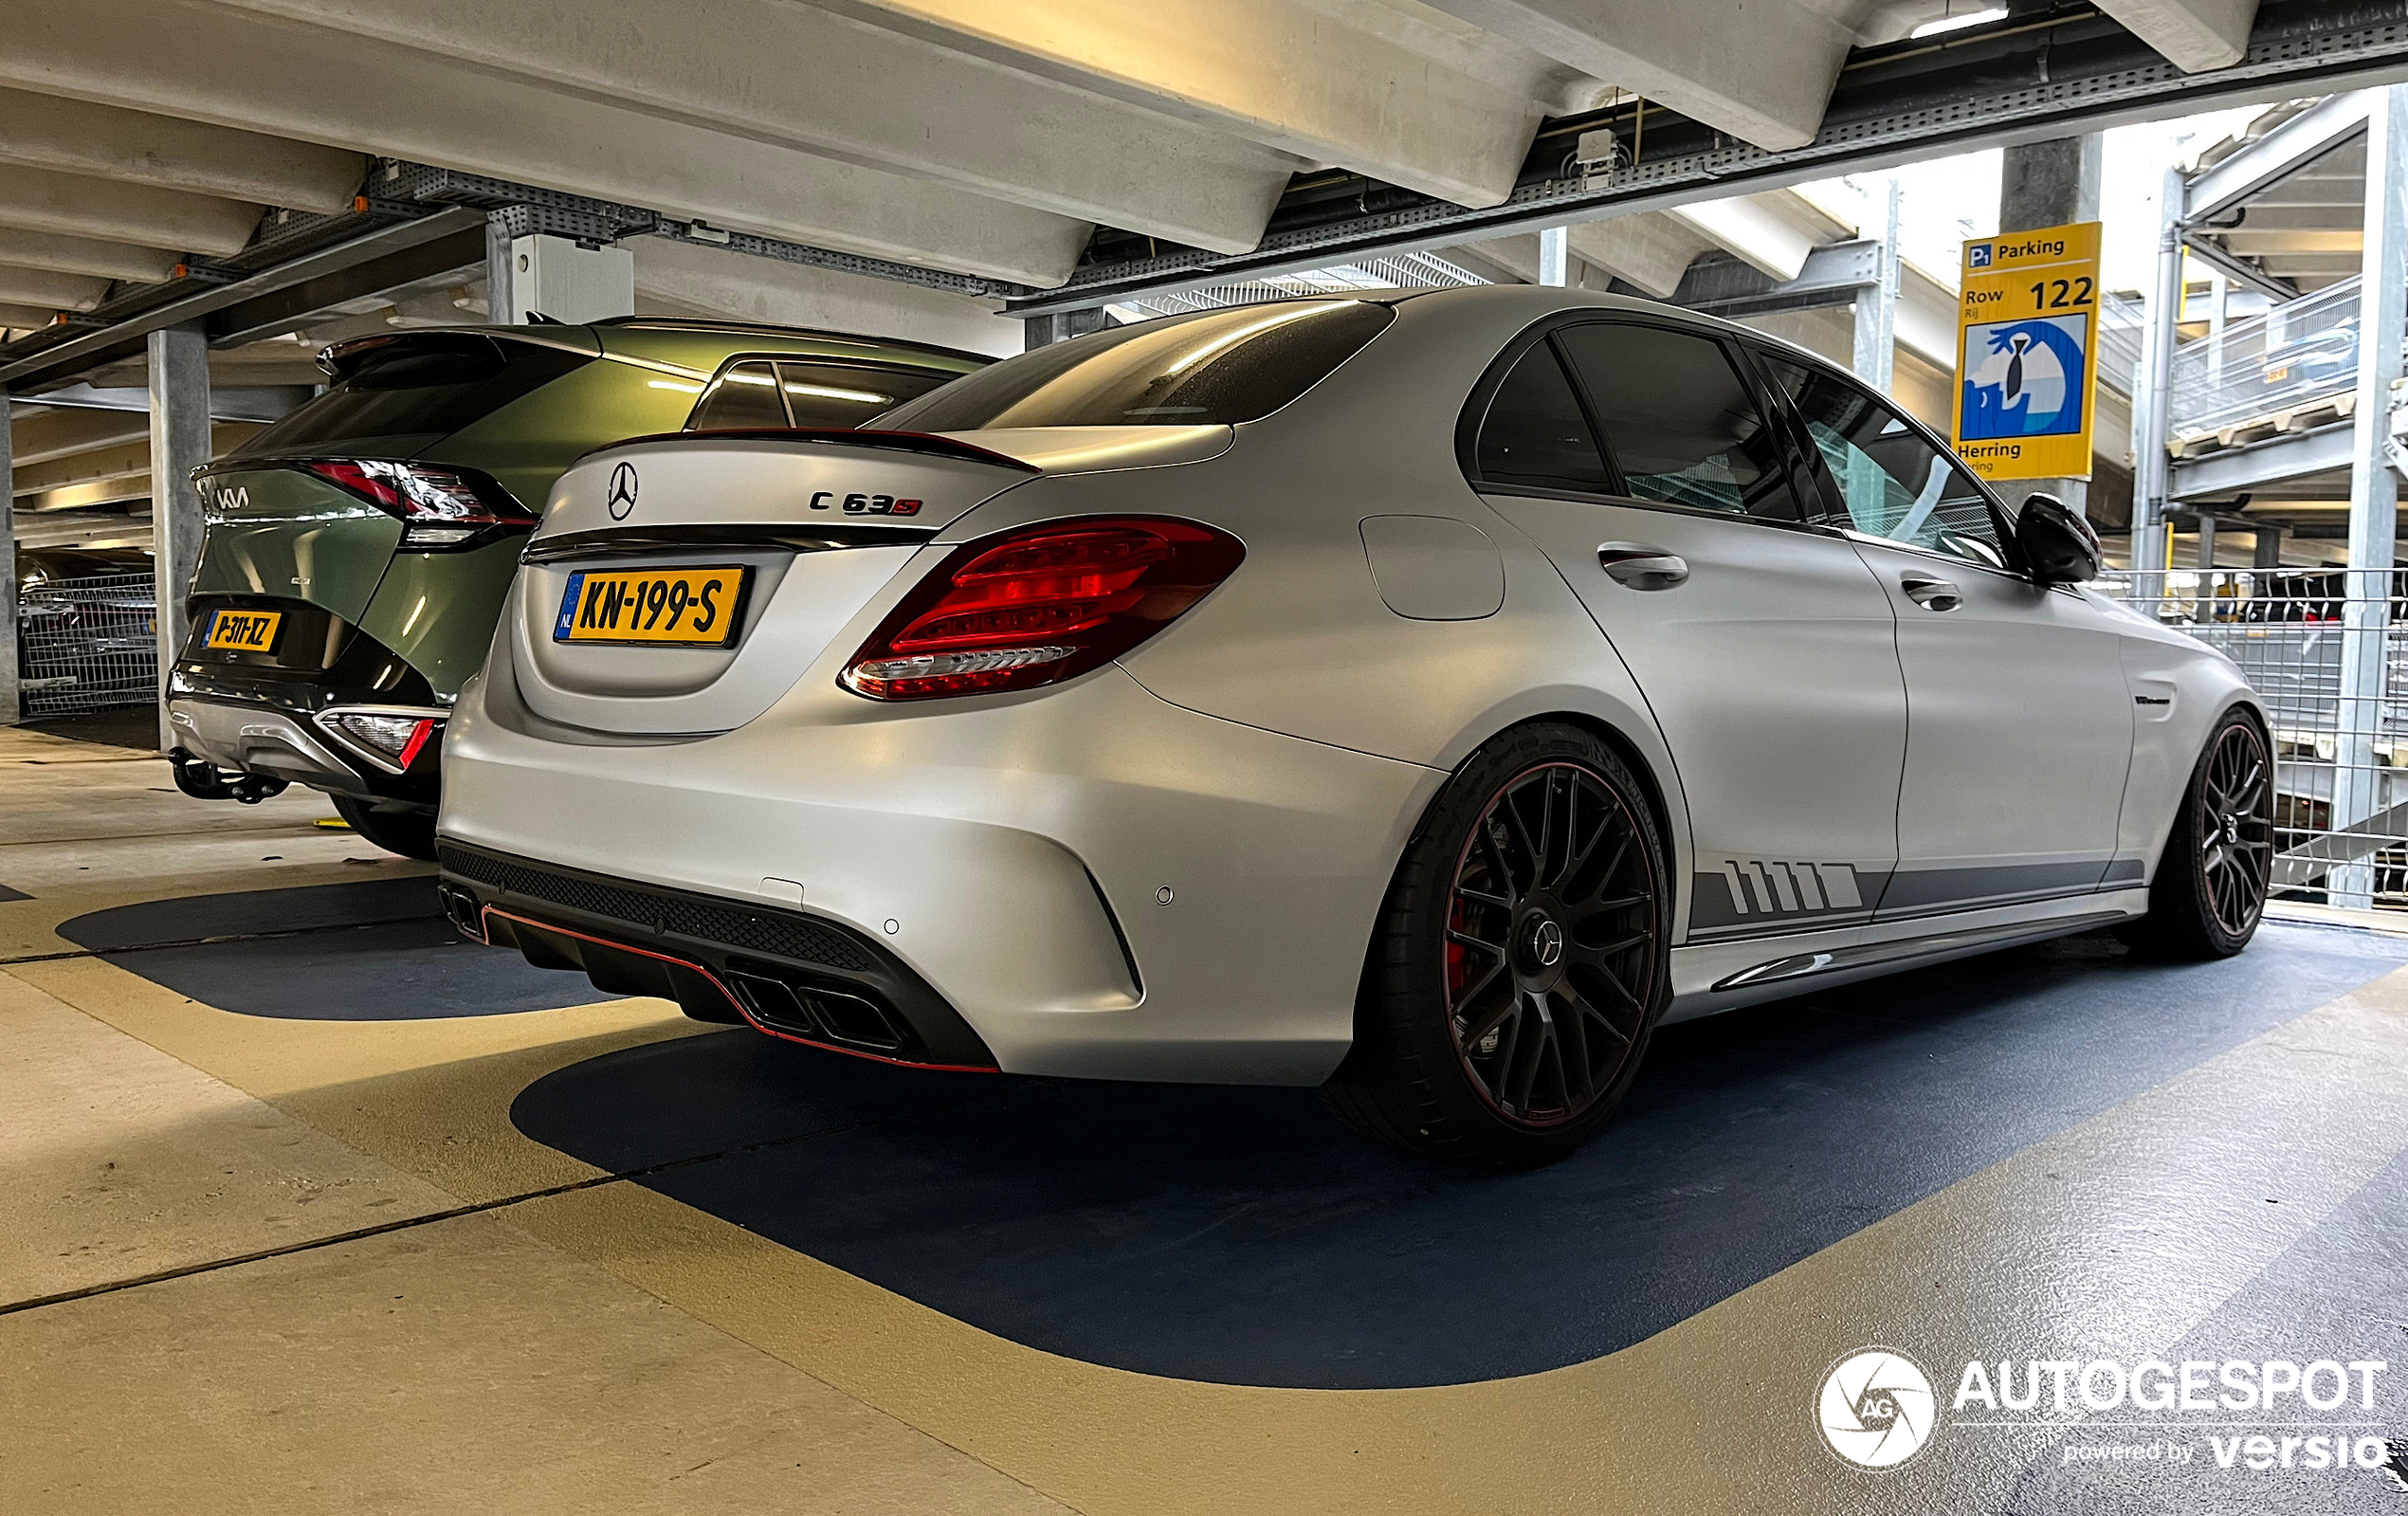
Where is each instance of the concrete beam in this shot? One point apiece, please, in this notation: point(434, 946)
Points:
point(73, 205)
point(2194, 35)
point(678, 279)
point(1337, 94)
point(78, 137)
point(82, 255)
point(1650, 250)
point(1754, 229)
point(26, 317)
point(875, 98)
point(36, 286)
point(203, 63)
point(1762, 70)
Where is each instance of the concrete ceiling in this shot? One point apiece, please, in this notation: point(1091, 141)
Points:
point(986, 137)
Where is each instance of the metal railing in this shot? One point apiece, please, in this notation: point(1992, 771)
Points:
point(87, 644)
point(2266, 365)
point(2341, 790)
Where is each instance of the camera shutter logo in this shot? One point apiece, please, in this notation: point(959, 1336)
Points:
point(621, 497)
point(1876, 1408)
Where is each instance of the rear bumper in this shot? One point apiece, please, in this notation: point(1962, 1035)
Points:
point(791, 976)
point(255, 736)
point(1096, 882)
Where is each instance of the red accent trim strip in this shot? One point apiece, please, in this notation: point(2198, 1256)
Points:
point(705, 971)
point(418, 736)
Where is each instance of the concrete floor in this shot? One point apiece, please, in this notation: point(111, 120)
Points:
point(312, 1206)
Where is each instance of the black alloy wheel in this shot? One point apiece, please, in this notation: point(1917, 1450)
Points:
point(1550, 944)
point(2236, 829)
point(1520, 962)
point(2211, 885)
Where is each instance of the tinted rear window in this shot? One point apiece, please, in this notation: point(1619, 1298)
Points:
point(1214, 368)
point(419, 386)
point(841, 396)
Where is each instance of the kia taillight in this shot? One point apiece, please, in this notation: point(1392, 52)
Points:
point(1040, 604)
point(440, 509)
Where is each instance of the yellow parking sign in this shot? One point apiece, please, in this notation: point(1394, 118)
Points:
point(2027, 333)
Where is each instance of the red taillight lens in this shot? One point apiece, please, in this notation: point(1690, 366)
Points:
point(440, 509)
point(1039, 605)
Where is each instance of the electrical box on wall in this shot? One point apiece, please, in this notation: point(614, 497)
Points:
point(568, 283)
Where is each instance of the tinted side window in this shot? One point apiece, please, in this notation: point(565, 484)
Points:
point(1680, 421)
point(1892, 483)
point(1535, 435)
point(844, 394)
point(743, 398)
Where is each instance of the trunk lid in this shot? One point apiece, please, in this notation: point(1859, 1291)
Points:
point(288, 534)
point(818, 524)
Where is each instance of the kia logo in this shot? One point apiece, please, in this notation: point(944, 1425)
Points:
point(622, 494)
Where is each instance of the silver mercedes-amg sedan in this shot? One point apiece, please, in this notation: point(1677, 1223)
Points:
point(1422, 697)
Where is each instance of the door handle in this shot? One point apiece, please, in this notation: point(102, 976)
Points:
point(1640, 567)
point(1932, 594)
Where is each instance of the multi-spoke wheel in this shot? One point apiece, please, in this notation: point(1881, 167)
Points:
point(1520, 960)
point(2210, 889)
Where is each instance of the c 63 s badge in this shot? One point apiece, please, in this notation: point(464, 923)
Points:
point(865, 504)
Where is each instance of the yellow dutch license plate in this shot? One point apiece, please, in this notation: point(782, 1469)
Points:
point(687, 607)
point(244, 630)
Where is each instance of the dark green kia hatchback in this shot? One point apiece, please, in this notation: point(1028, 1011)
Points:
point(358, 551)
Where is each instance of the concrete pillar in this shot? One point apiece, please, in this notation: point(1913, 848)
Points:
point(179, 444)
point(2047, 184)
point(2151, 420)
point(2270, 548)
point(2374, 489)
point(554, 277)
point(12, 702)
point(1877, 318)
point(1063, 325)
point(1555, 256)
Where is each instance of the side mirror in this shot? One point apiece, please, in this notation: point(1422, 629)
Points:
point(2058, 546)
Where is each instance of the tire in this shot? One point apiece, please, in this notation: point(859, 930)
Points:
point(1479, 1036)
point(2210, 891)
point(411, 833)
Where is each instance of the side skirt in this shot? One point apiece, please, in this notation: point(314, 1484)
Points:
point(1725, 976)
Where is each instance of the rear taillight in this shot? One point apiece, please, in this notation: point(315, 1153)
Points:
point(1039, 605)
point(440, 509)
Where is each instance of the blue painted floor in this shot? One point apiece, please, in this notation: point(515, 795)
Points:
point(1243, 1236)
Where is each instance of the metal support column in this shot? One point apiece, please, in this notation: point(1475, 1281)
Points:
point(2374, 489)
point(1555, 256)
point(2270, 550)
point(2152, 469)
point(179, 444)
point(1876, 313)
point(11, 699)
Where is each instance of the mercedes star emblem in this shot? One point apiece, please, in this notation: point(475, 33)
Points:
point(622, 496)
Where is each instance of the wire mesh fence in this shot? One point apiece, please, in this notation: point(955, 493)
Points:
point(2328, 651)
point(2264, 368)
point(87, 644)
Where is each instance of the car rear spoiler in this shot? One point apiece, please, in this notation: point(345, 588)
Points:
point(928, 443)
